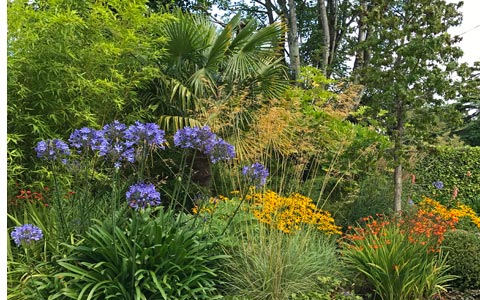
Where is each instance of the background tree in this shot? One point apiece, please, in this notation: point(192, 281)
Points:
point(469, 104)
point(321, 30)
point(408, 77)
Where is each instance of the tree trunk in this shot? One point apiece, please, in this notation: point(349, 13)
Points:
point(290, 17)
point(325, 46)
point(295, 47)
point(201, 169)
point(332, 8)
point(269, 7)
point(362, 36)
point(397, 156)
point(397, 196)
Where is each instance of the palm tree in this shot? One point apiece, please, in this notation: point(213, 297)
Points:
point(202, 63)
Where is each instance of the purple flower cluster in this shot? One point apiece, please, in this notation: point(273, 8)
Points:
point(221, 151)
point(438, 185)
point(142, 195)
point(26, 234)
point(52, 150)
point(148, 134)
point(117, 142)
point(86, 138)
point(256, 174)
point(205, 141)
point(115, 146)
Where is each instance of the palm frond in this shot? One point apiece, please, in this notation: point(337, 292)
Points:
point(217, 52)
point(173, 123)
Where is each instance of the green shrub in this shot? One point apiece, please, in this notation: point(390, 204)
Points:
point(454, 167)
point(92, 62)
point(464, 257)
point(371, 199)
point(153, 255)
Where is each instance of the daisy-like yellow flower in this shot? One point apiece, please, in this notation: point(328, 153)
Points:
point(289, 213)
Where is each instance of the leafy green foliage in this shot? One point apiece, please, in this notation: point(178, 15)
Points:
point(149, 255)
point(333, 288)
point(30, 269)
point(372, 194)
point(463, 249)
point(408, 76)
point(455, 167)
point(469, 104)
point(74, 64)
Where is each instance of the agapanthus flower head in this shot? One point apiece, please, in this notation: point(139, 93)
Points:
point(198, 138)
point(204, 141)
point(26, 234)
point(256, 174)
point(142, 195)
point(115, 146)
point(438, 185)
point(221, 151)
point(87, 138)
point(148, 134)
point(114, 132)
point(52, 149)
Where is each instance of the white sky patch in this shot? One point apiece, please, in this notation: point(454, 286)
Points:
point(469, 31)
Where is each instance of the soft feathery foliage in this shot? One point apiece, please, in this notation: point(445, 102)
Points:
point(306, 135)
point(271, 265)
point(149, 255)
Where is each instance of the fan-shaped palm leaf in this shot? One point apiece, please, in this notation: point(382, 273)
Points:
point(202, 63)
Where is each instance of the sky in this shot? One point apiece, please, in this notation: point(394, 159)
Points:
point(469, 30)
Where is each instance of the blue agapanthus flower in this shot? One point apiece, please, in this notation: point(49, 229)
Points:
point(256, 174)
point(198, 138)
point(141, 134)
point(26, 234)
point(87, 138)
point(115, 145)
point(438, 185)
point(221, 151)
point(142, 195)
point(205, 141)
point(52, 150)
